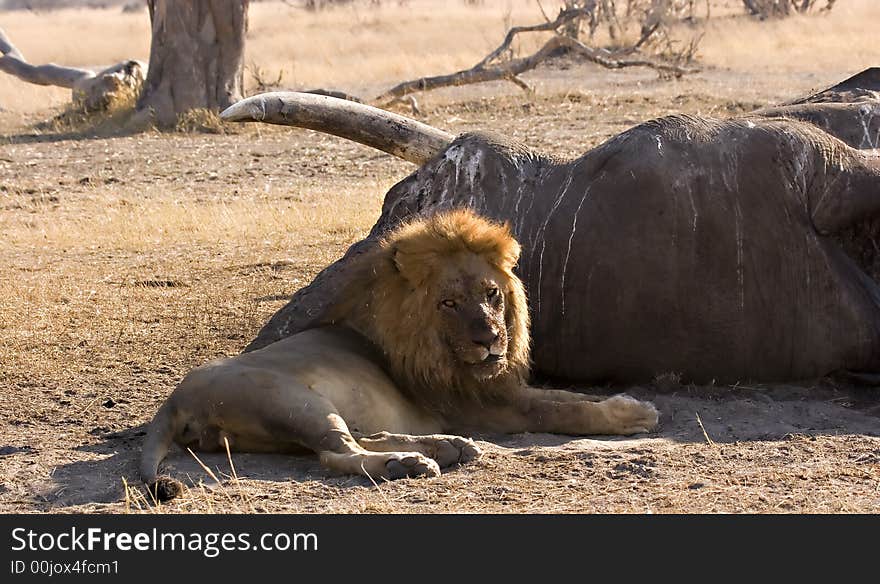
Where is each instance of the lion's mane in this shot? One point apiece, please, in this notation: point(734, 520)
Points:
point(388, 301)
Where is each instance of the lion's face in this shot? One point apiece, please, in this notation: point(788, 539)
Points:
point(469, 299)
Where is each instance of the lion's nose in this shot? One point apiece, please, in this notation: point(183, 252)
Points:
point(485, 338)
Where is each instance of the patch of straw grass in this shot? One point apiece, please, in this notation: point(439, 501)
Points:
point(202, 120)
point(76, 119)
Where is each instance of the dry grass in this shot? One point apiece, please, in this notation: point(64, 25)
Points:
point(201, 120)
point(122, 224)
point(580, 478)
point(796, 44)
point(114, 118)
point(356, 48)
point(90, 266)
point(364, 49)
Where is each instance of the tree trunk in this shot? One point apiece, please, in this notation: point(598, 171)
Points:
point(196, 57)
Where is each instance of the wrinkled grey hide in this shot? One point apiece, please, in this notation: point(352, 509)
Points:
point(710, 248)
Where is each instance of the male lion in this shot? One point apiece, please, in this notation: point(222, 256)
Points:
point(433, 337)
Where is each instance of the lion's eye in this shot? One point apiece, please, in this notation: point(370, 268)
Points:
point(492, 293)
point(448, 303)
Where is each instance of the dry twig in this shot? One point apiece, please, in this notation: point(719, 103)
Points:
point(492, 68)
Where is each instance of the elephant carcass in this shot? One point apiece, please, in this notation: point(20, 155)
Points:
point(710, 248)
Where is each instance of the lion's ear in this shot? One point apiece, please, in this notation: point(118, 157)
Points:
point(407, 265)
point(396, 260)
point(510, 251)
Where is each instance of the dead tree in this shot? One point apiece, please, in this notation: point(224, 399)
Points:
point(196, 61)
point(196, 57)
point(91, 90)
point(496, 66)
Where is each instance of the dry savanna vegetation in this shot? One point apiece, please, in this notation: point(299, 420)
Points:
point(128, 258)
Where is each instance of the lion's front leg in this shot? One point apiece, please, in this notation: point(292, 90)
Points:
point(626, 415)
point(311, 420)
point(380, 465)
point(340, 451)
point(527, 409)
point(561, 395)
point(443, 448)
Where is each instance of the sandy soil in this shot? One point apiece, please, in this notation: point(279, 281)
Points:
point(128, 259)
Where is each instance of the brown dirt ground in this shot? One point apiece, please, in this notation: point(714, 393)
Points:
point(106, 302)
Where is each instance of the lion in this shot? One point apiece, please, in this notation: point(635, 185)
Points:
point(431, 342)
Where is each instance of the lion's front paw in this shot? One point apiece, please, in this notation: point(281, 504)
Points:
point(451, 450)
point(628, 415)
point(400, 465)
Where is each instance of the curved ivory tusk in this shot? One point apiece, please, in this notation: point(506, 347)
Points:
point(398, 135)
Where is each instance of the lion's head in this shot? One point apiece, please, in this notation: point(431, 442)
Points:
point(439, 297)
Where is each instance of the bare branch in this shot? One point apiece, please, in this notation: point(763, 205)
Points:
point(335, 93)
point(595, 56)
point(7, 48)
point(91, 91)
point(565, 16)
point(521, 84)
point(14, 63)
point(541, 8)
point(509, 70)
point(476, 74)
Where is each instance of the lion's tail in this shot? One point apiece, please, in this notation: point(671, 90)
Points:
point(160, 435)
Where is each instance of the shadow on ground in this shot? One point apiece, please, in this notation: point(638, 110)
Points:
point(689, 414)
